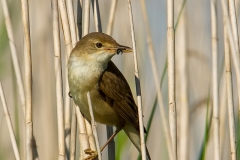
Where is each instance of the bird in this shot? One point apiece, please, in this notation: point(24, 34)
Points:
point(90, 69)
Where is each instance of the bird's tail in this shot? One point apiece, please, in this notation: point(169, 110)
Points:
point(134, 136)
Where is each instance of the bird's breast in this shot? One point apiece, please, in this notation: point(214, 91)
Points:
point(83, 78)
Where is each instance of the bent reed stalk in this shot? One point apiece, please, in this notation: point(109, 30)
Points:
point(9, 124)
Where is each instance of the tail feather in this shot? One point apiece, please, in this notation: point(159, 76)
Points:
point(134, 136)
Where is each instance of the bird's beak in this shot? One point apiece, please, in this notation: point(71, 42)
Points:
point(120, 49)
point(123, 49)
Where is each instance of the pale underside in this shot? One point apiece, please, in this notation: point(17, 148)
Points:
point(83, 78)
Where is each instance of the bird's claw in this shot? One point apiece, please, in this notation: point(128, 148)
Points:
point(69, 94)
point(92, 154)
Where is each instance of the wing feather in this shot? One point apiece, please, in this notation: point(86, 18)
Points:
point(115, 90)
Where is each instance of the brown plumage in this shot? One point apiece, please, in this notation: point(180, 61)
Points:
point(90, 69)
point(115, 90)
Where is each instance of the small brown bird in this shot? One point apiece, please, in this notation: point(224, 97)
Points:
point(90, 69)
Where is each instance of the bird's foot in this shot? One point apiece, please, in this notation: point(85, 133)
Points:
point(92, 154)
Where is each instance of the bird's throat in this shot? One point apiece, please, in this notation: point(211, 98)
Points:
point(84, 73)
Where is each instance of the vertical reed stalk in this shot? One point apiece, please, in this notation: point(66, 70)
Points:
point(137, 81)
point(74, 41)
point(28, 80)
point(216, 134)
point(72, 23)
point(73, 32)
point(90, 135)
point(94, 128)
point(171, 77)
point(223, 113)
point(79, 19)
point(86, 18)
point(16, 66)
point(234, 55)
point(111, 17)
point(84, 144)
point(183, 106)
point(111, 144)
point(58, 79)
point(9, 123)
point(67, 37)
point(97, 17)
point(229, 92)
point(74, 112)
point(156, 78)
point(68, 44)
point(232, 13)
point(73, 134)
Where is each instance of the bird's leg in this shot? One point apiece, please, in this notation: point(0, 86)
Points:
point(93, 154)
point(109, 139)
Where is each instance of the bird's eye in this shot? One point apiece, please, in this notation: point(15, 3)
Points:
point(99, 45)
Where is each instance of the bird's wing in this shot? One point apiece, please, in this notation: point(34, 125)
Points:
point(115, 90)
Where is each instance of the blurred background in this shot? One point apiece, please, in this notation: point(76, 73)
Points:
point(193, 36)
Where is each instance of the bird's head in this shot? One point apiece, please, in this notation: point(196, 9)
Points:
point(98, 47)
